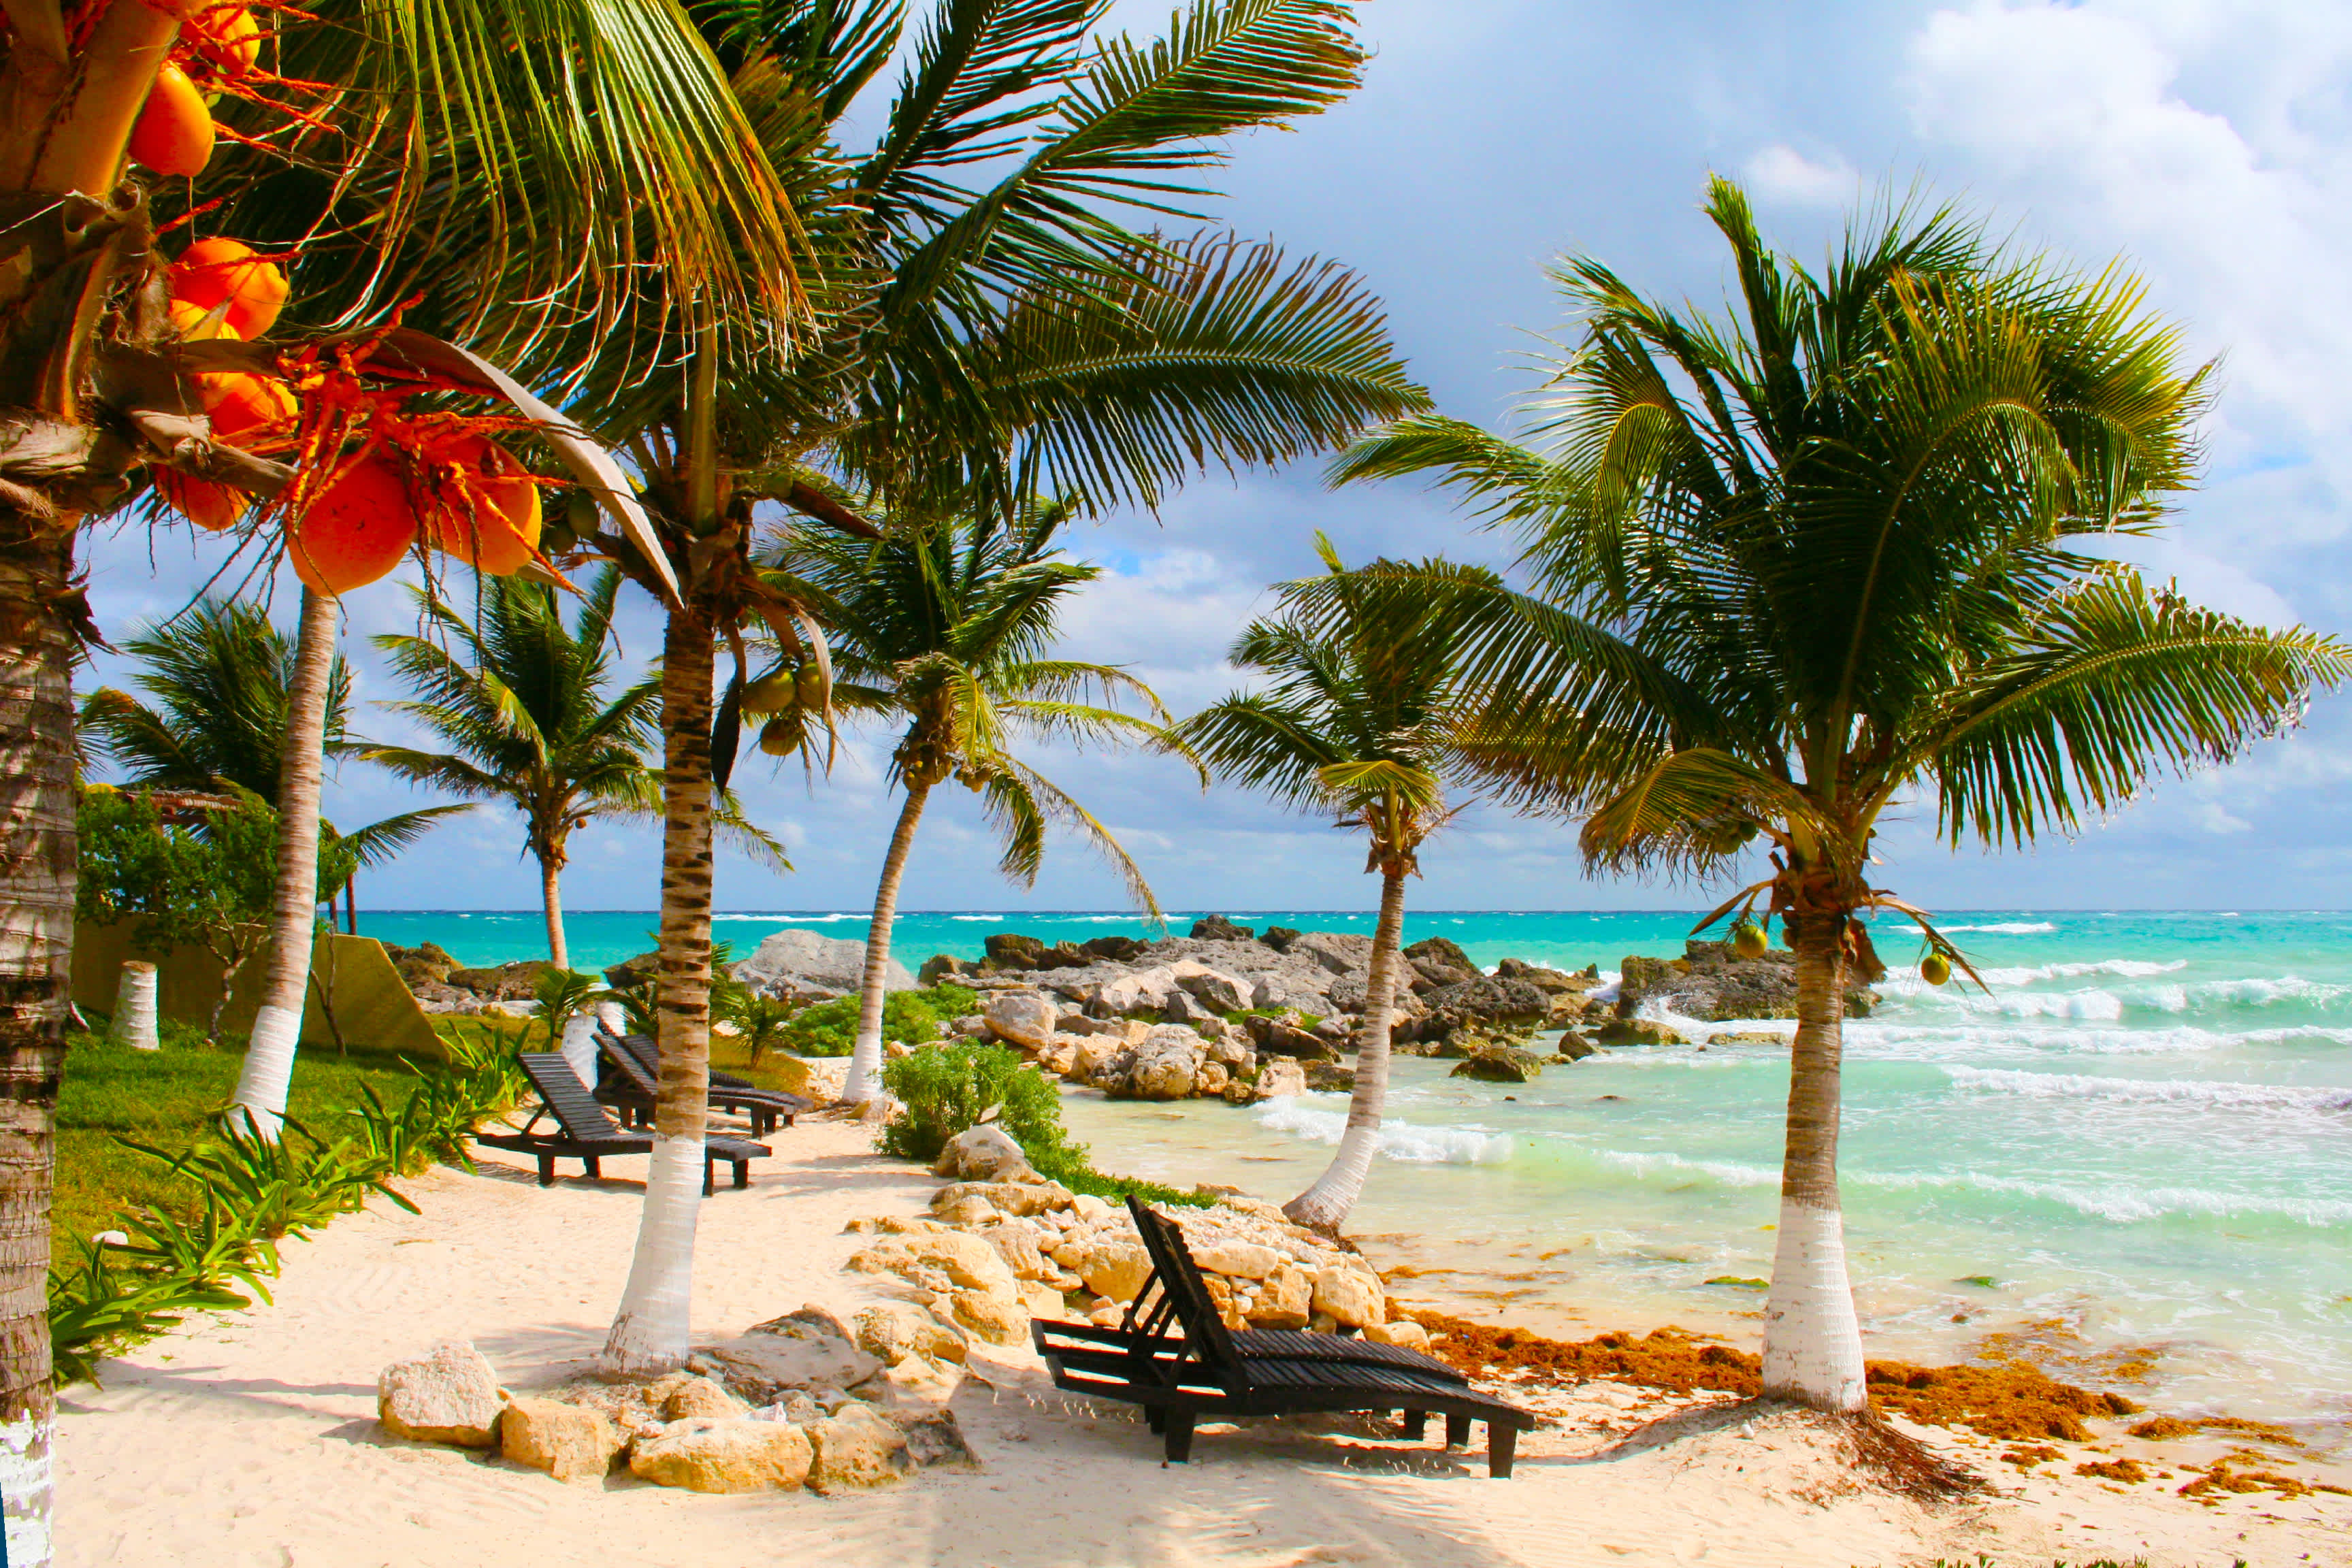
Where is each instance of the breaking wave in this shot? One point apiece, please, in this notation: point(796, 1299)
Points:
point(1400, 1141)
point(2180, 1092)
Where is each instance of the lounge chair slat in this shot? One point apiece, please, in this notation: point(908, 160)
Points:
point(589, 1132)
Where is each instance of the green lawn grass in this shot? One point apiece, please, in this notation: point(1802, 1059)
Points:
point(166, 1098)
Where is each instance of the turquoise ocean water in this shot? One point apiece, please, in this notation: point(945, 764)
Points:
point(2136, 1149)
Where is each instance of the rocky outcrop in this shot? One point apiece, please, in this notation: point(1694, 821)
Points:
point(1712, 984)
point(1637, 1032)
point(1501, 1064)
point(702, 1454)
point(441, 985)
point(801, 963)
point(983, 1153)
point(570, 1442)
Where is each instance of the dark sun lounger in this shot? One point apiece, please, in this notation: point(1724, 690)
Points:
point(587, 1134)
point(631, 1070)
point(1206, 1370)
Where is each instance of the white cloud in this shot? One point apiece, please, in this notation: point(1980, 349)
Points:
point(1782, 173)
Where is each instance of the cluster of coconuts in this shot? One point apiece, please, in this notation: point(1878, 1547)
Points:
point(1748, 941)
point(786, 696)
point(174, 133)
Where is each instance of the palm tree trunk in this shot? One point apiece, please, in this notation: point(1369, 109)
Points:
point(1325, 1205)
point(268, 1070)
point(37, 862)
point(1812, 1341)
point(551, 902)
point(866, 1060)
point(649, 1333)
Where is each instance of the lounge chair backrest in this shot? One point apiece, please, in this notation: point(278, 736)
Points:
point(566, 1098)
point(1185, 1290)
point(623, 1059)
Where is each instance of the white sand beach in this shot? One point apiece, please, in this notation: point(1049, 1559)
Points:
point(250, 1439)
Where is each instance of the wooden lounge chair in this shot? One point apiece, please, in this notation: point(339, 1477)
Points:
point(588, 1135)
point(631, 1070)
point(1155, 1306)
point(1179, 1379)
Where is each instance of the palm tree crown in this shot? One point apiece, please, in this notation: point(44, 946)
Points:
point(525, 703)
point(219, 675)
point(946, 630)
point(1795, 567)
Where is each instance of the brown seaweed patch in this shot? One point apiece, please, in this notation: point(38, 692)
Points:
point(2163, 1428)
point(2012, 1402)
point(2221, 1477)
point(2026, 1455)
point(2129, 1471)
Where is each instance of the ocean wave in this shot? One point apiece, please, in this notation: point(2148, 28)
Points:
point(2186, 1092)
point(2115, 1205)
point(2124, 968)
point(799, 920)
point(1885, 1038)
point(976, 917)
point(2008, 927)
point(1400, 1140)
point(2111, 1004)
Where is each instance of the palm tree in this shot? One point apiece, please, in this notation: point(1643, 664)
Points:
point(947, 630)
point(1803, 564)
point(1355, 718)
point(415, 122)
point(233, 693)
point(970, 343)
point(523, 702)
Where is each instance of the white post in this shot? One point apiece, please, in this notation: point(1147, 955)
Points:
point(134, 1007)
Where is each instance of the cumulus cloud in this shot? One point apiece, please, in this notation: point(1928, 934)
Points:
point(1782, 173)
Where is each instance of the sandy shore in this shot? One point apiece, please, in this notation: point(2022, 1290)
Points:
point(250, 1439)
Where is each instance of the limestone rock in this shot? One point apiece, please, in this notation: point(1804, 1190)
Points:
point(1711, 982)
point(1285, 1300)
point(1750, 1038)
point(1025, 1019)
point(1011, 1197)
point(1278, 1079)
point(893, 1330)
point(1637, 1032)
point(857, 1450)
point(1331, 1078)
point(1573, 1049)
point(1238, 1259)
point(1164, 1064)
point(1402, 1331)
point(1137, 991)
point(1116, 1269)
point(938, 1443)
point(570, 1442)
point(1217, 928)
point(1501, 1064)
point(1214, 988)
point(1230, 1048)
point(1336, 952)
point(1353, 1297)
point(1017, 1244)
point(983, 1153)
point(1210, 1079)
point(1090, 1208)
point(791, 1352)
point(1490, 999)
point(698, 1395)
point(703, 1454)
point(970, 1263)
point(801, 961)
point(450, 1395)
point(917, 1383)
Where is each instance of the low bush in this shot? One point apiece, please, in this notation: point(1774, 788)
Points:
point(915, 1017)
point(945, 1089)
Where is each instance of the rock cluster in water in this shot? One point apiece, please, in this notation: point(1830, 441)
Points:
point(441, 985)
point(1711, 983)
point(1226, 1013)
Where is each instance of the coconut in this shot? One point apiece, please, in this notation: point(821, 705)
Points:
point(355, 530)
point(174, 132)
point(212, 271)
point(1934, 969)
point(771, 693)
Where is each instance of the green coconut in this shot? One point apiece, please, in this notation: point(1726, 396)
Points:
point(808, 684)
point(1934, 969)
point(1748, 941)
point(771, 693)
point(781, 736)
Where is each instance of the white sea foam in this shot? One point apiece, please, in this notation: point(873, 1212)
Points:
point(1400, 1141)
point(2186, 1092)
point(975, 917)
point(2116, 1204)
point(799, 920)
point(2125, 968)
point(2008, 927)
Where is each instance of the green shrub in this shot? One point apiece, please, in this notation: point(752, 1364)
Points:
point(946, 1089)
point(830, 1029)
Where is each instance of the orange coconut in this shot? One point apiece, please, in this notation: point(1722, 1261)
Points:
point(210, 506)
point(175, 132)
point(194, 322)
point(489, 510)
point(355, 530)
point(213, 270)
point(227, 37)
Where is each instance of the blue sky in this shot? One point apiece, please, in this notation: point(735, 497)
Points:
point(2208, 144)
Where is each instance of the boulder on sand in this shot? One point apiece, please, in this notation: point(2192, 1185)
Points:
point(983, 1153)
point(450, 1395)
point(799, 961)
point(570, 1442)
point(1022, 1019)
point(703, 1454)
